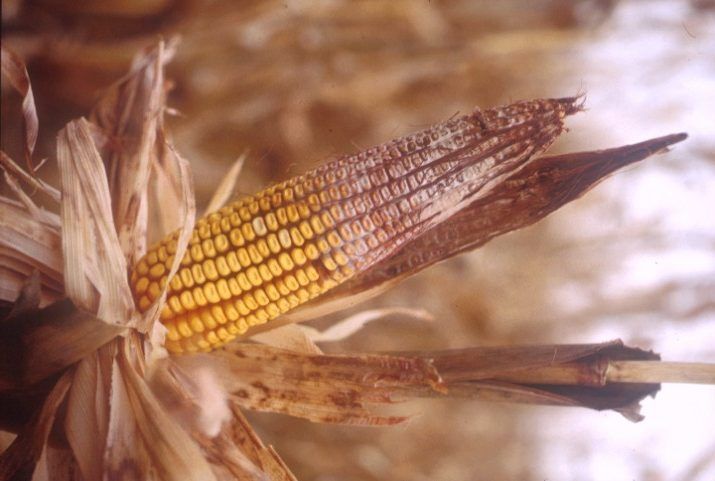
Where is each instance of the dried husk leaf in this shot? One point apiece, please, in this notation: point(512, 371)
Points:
point(13, 68)
point(225, 190)
point(94, 264)
point(342, 388)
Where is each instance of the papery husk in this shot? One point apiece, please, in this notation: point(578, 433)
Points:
point(345, 388)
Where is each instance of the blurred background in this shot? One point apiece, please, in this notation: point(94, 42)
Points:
point(296, 82)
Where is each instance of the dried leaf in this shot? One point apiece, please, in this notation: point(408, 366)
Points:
point(291, 337)
point(94, 265)
point(13, 68)
point(17, 171)
point(224, 191)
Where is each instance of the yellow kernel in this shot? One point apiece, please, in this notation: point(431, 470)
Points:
point(253, 276)
point(198, 274)
point(273, 310)
point(230, 310)
point(296, 236)
point(271, 221)
point(157, 270)
point(212, 338)
point(236, 238)
point(305, 230)
point(171, 246)
point(211, 293)
point(303, 295)
point(261, 315)
point(210, 271)
point(327, 220)
point(215, 228)
point(225, 224)
point(243, 257)
point(152, 258)
point(232, 261)
point(283, 304)
point(311, 252)
point(288, 194)
point(285, 261)
point(291, 282)
point(195, 323)
point(317, 225)
point(162, 254)
point(312, 273)
point(199, 296)
point(254, 254)
point(264, 272)
point(166, 313)
point(273, 243)
point(175, 305)
point(262, 247)
point(242, 308)
point(243, 281)
point(294, 300)
point(292, 213)
point(208, 319)
point(252, 320)
point(302, 278)
point(244, 213)
point(142, 268)
point(340, 258)
point(208, 247)
point(194, 237)
point(153, 291)
point(329, 263)
point(323, 245)
point(274, 267)
point(298, 256)
point(261, 297)
point(234, 287)
point(265, 203)
point(203, 229)
point(186, 260)
point(250, 302)
point(242, 326)
point(272, 292)
point(314, 289)
point(171, 332)
point(221, 243)
point(247, 231)
point(235, 219)
point(196, 253)
point(218, 314)
point(187, 300)
point(183, 327)
point(282, 216)
point(176, 284)
point(334, 239)
point(223, 290)
point(141, 286)
point(232, 329)
point(222, 266)
point(173, 346)
point(282, 288)
point(186, 278)
point(222, 333)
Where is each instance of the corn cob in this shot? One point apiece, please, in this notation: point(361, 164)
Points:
point(263, 255)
